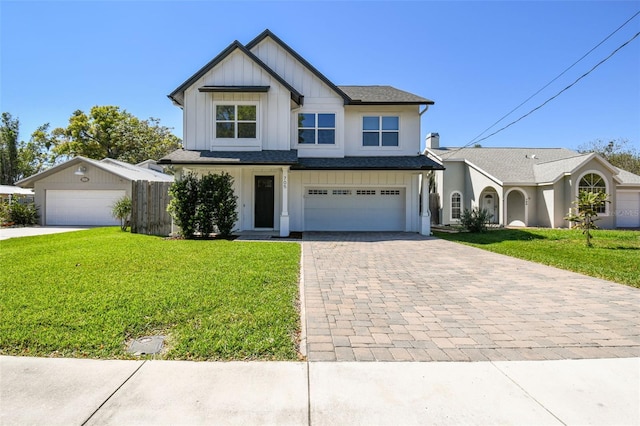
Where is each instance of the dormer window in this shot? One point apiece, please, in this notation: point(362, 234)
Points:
point(380, 130)
point(236, 121)
point(319, 129)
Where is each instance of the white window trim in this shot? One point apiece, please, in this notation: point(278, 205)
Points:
point(235, 142)
point(451, 218)
point(607, 210)
point(316, 145)
point(380, 147)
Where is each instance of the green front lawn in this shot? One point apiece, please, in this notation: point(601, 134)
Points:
point(88, 293)
point(615, 255)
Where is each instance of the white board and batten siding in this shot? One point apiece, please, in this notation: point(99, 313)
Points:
point(628, 209)
point(274, 107)
point(292, 71)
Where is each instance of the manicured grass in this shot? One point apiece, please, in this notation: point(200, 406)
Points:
point(615, 255)
point(88, 293)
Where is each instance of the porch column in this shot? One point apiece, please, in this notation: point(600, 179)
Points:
point(284, 215)
point(425, 216)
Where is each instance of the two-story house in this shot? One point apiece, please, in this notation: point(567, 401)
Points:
point(305, 154)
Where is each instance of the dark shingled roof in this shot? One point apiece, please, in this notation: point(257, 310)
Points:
point(182, 156)
point(385, 95)
point(413, 162)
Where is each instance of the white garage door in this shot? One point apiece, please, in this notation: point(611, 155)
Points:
point(627, 209)
point(354, 209)
point(86, 207)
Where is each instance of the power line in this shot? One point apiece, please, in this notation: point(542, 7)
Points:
point(563, 90)
point(550, 82)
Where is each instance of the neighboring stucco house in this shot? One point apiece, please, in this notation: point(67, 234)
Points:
point(530, 186)
point(10, 193)
point(305, 154)
point(82, 191)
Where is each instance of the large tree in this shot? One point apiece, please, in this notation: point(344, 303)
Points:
point(617, 152)
point(9, 130)
point(108, 131)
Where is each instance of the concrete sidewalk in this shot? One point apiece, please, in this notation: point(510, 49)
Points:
point(30, 231)
point(76, 392)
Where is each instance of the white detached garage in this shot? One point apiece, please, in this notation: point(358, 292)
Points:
point(82, 191)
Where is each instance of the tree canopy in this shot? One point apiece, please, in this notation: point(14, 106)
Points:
point(616, 152)
point(9, 129)
point(18, 159)
point(106, 132)
point(109, 132)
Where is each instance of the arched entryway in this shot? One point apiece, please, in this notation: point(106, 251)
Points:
point(516, 208)
point(489, 201)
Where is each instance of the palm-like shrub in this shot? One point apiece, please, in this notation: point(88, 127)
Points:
point(585, 213)
point(121, 210)
point(475, 220)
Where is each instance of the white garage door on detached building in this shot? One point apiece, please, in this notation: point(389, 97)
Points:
point(628, 209)
point(354, 209)
point(81, 207)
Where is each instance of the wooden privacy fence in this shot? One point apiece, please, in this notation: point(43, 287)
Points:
point(149, 201)
point(434, 208)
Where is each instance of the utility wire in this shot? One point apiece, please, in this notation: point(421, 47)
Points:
point(475, 139)
point(557, 77)
point(563, 90)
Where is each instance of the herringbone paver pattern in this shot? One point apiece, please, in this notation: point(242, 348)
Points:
point(404, 297)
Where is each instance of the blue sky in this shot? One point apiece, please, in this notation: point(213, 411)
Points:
point(477, 60)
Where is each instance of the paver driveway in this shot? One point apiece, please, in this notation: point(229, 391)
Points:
point(404, 297)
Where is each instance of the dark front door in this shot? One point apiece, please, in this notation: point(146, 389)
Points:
point(263, 209)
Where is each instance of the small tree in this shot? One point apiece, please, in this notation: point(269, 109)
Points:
point(184, 203)
point(475, 220)
point(226, 203)
point(121, 210)
point(585, 213)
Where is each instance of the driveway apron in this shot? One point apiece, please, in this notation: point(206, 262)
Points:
point(405, 297)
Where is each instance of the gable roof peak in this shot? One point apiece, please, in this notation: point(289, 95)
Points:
point(178, 94)
point(267, 33)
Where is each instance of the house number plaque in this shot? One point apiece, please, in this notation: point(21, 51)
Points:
point(284, 182)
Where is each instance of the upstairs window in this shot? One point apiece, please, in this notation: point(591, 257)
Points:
point(318, 129)
point(593, 182)
point(380, 131)
point(236, 121)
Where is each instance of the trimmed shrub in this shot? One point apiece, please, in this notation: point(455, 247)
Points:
point(184, 203)
point(226, 203)
point(202, 205)
point(19, 214)
point(205, 211)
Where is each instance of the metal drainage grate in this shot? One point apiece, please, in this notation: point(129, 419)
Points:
point(148, 345)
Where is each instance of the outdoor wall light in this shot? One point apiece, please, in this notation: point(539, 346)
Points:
point(81, 171)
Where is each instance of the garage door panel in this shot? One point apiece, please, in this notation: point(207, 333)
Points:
point(628, 209)
point(81, 207)
point(353, 209)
